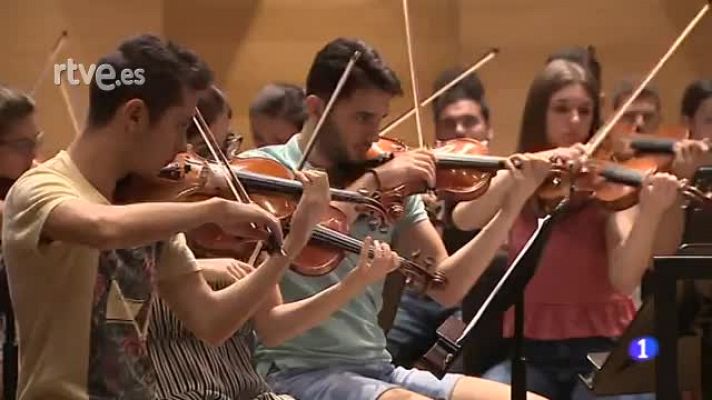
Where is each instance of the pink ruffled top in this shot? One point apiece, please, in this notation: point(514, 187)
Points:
point(570, 296)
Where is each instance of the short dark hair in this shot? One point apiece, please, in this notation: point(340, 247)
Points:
point(695, 94)
point(168, 69)
point(626, 87)
point(14, 106)
point(469, 88)
point(211, 104)
point(283, 101)
point(370, 70)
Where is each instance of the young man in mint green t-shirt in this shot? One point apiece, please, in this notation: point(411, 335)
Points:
point(345, 358)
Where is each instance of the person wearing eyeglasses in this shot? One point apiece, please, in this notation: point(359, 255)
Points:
point(277, 112)
point(217, 113)
point(19, 139)
point(19, 135)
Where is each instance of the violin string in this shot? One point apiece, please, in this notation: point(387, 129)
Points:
point(354, 245)
point(259, 181)
point(327, 109)
point(489, 56)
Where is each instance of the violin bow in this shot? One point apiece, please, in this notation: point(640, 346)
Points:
point(486, 58)
point(327, 109)
point(597, 139)
point(58, 45)
point(233, 182)
point(413, 79)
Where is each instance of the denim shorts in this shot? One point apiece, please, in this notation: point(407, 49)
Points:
point(363, 382)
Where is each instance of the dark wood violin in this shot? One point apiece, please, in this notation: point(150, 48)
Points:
point(463, 168)
point(191, 178)
point(263, 176)
point(614, 177)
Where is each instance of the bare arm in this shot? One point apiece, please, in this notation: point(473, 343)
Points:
point(463, 268)
point(471, 215)
point(668, 240)
point(276, 322)
point(631, 234)
point(112, 227)
point(689, 156)
point(475, 214)
point(214, 316)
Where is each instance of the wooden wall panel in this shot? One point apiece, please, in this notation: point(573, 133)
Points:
point(252, 42)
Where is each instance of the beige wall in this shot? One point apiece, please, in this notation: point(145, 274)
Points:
point(255, 42)
point(252, 42)
point(629, 36)
point(28, 30)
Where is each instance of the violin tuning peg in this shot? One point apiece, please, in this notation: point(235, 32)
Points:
point(415, 254)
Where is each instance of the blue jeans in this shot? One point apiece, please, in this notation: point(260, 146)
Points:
point(413, 331)
point(553, 368)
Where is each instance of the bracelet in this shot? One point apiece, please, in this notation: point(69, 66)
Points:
point(376, 177)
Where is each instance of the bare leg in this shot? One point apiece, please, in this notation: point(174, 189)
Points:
point(401, 394)
point(470, 388)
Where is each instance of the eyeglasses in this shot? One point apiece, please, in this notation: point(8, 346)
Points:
point(23, 145)
point(233, 144)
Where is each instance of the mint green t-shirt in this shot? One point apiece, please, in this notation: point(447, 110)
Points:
point(352, 334)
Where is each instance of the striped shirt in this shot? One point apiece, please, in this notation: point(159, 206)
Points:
point(190, 369)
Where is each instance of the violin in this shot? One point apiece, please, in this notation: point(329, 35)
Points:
point(624, 171)
point(265, 177)
point(661, 142)
point(191, 178)
point(463, 168)
point(614, 175)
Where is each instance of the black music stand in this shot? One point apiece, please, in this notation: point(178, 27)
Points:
point(668, 271)
point(673, 315)
point(508, 291)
